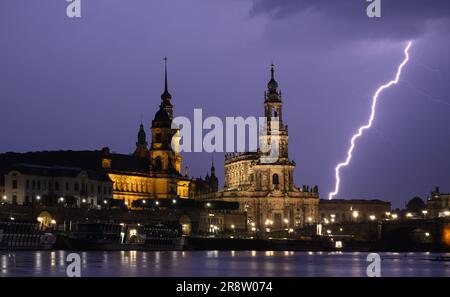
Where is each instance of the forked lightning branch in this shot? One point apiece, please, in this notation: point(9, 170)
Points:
point(369, 122)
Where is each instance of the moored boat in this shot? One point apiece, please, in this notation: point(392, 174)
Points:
point(24, 235)
point(113, 236)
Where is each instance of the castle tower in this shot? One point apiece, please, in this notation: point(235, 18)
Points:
point(141, 144)
point(162, 156)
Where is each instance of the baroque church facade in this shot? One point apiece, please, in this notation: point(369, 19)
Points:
point(265, 190)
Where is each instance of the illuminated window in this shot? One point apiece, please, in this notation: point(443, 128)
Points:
point(106, 163)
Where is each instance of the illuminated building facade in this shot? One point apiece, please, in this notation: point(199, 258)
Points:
point(148, 173)
point(438, 204)
point(352, 210)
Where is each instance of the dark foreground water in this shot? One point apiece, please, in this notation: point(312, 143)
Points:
point(221, 263)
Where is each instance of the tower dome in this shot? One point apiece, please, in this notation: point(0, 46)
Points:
point(161, 118)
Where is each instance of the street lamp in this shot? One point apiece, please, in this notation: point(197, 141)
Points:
point(372, 218)
point(424, 212)
point(61, 199)
point(332, 217)
point(355, 214)
point(38, 197)
point(394, 216)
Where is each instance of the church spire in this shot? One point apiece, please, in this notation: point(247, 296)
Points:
point(272, 71)
point(272, 93)
point(165, 97)
point(272, 85)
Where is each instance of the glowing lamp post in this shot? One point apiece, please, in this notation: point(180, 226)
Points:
point(424, 212)
point(355, 215)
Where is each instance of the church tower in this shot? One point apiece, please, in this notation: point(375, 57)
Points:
point(276, 172)
point(141, 144)
point(273, 112)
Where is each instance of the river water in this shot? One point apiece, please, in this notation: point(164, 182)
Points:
point(221, 263)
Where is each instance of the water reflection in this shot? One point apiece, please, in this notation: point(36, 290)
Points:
point(221, 263)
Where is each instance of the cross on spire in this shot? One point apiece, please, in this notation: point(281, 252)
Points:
point(165, 74)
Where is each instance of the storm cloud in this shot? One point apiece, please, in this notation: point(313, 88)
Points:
point(346, 20)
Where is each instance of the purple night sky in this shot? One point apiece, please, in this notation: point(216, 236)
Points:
point(87, 83)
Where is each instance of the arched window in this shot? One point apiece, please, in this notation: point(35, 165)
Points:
point(275, 181)
point(158, 163)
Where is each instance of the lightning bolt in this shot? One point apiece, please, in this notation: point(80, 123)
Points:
point(369, 123)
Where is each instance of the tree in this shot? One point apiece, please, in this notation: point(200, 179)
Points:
point(415, 205)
